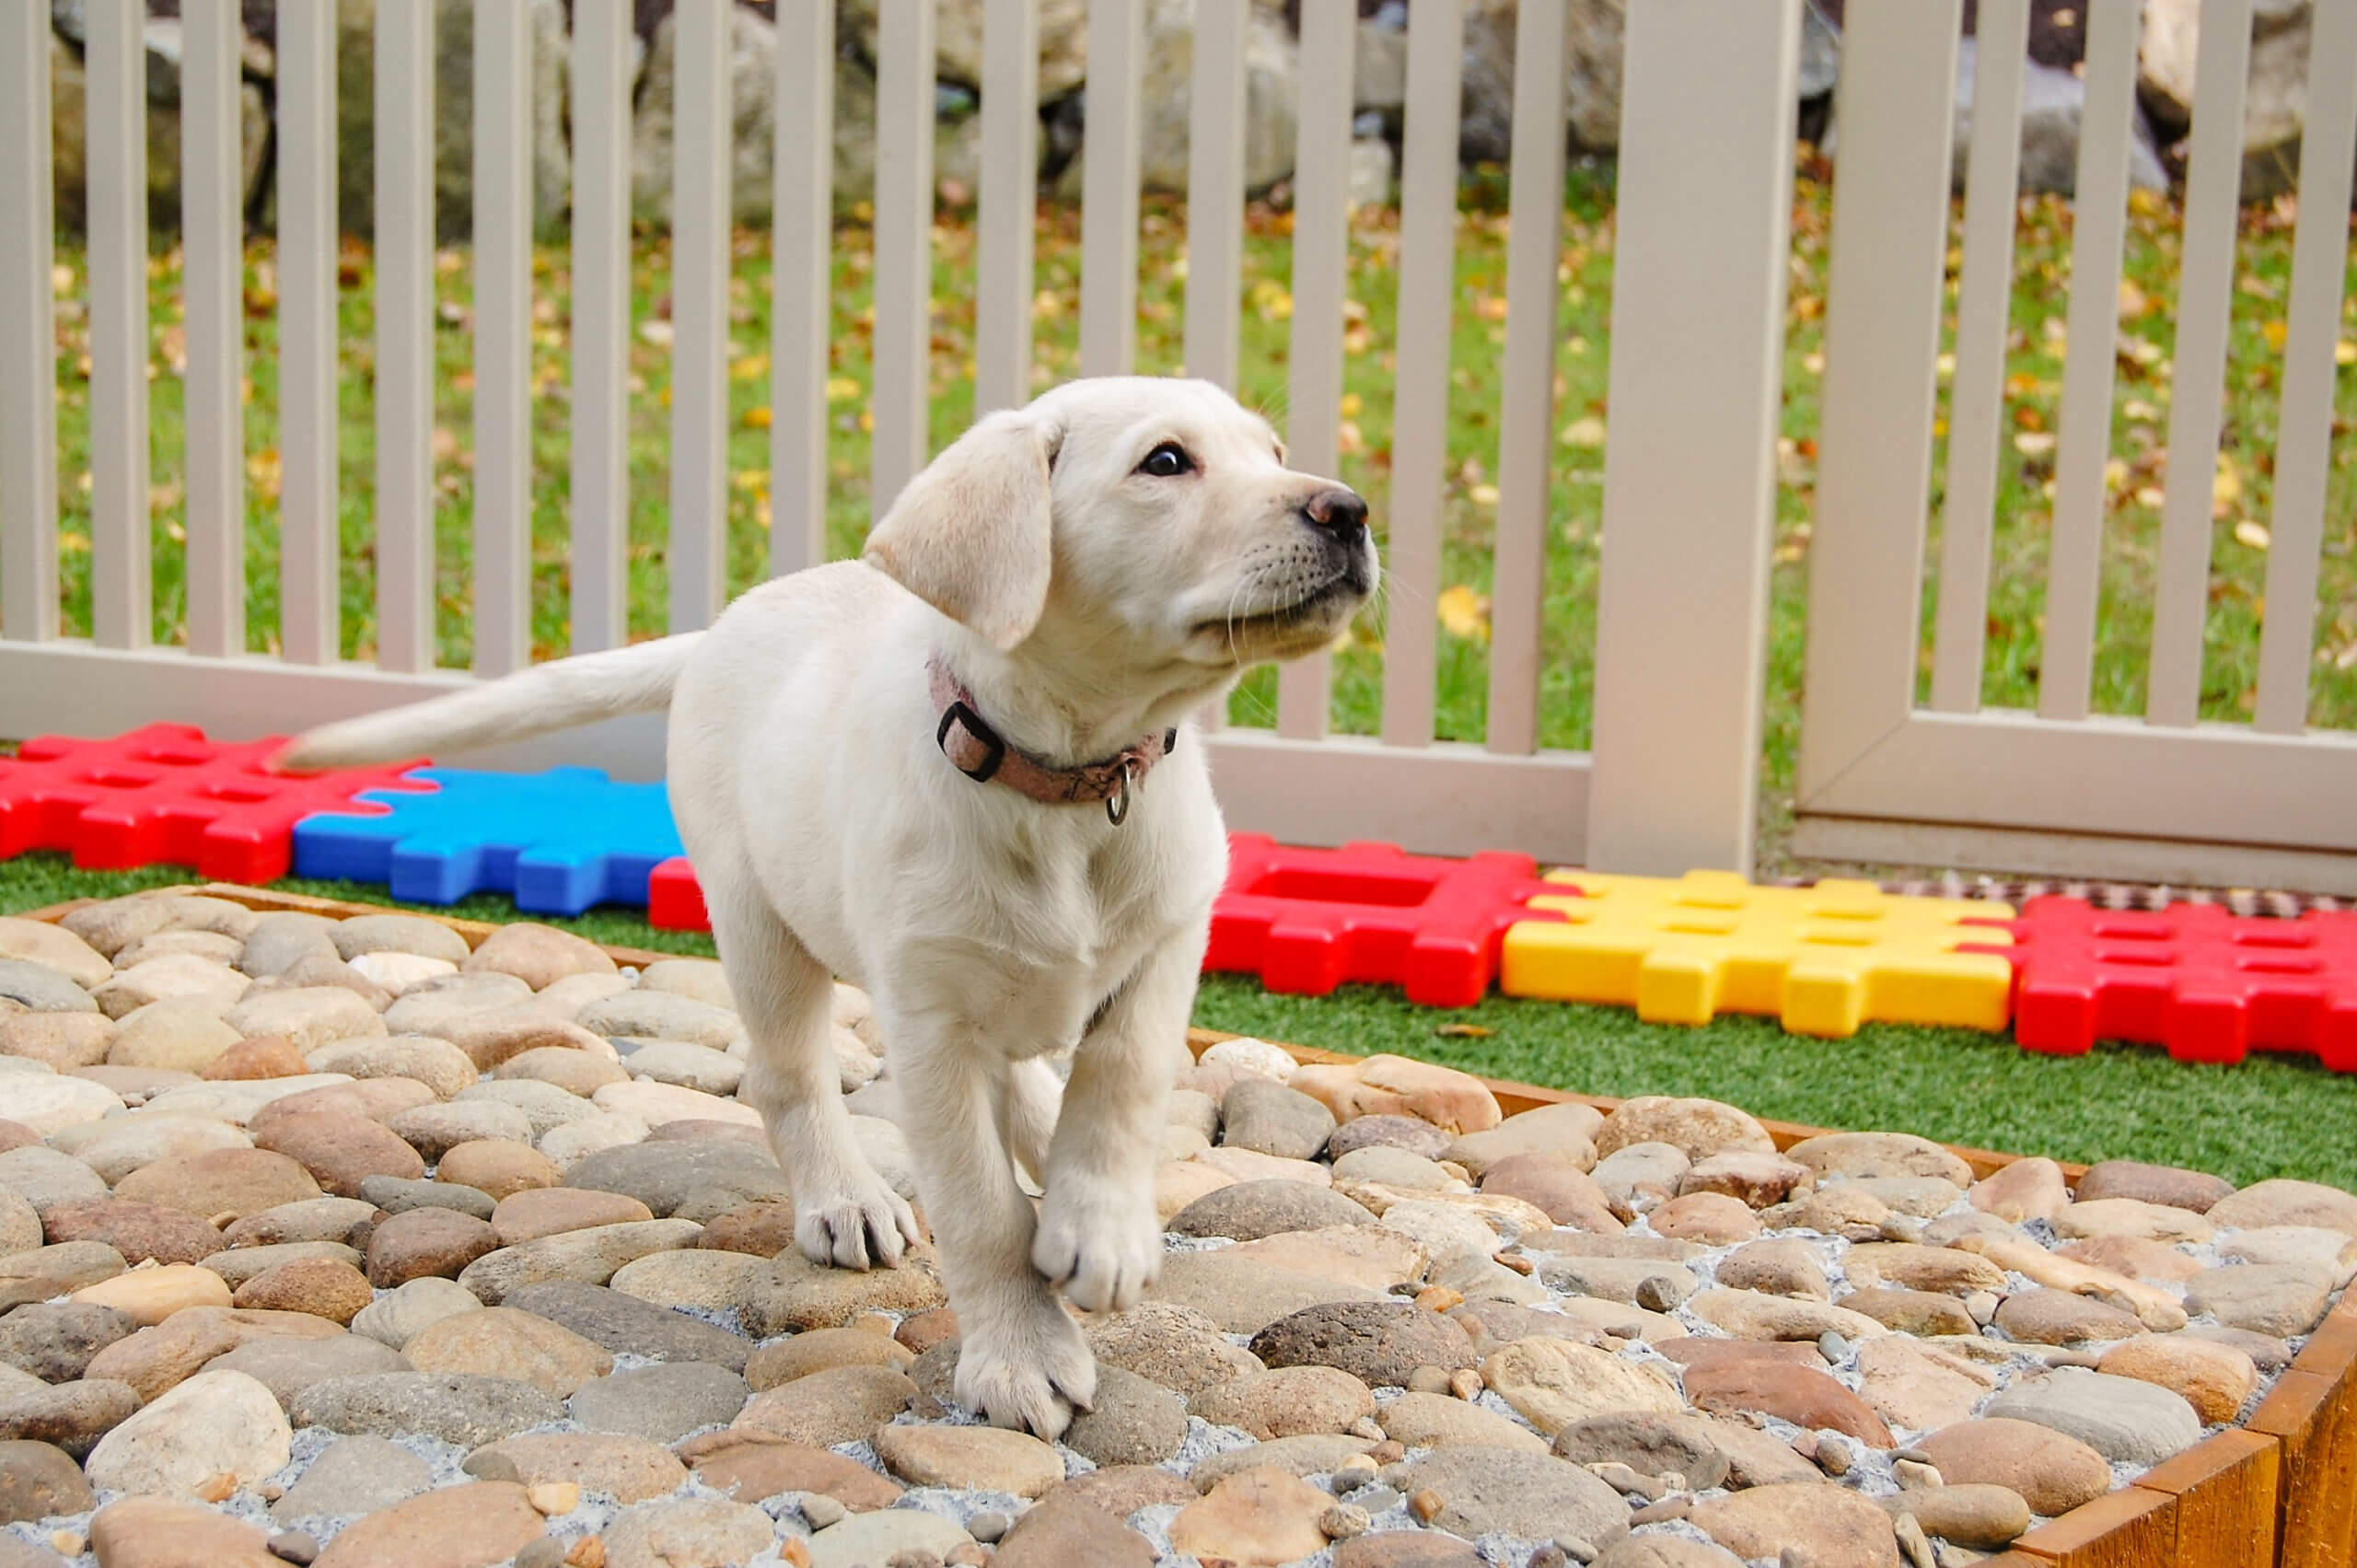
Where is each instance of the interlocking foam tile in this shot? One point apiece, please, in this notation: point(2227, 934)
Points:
point(166, 795)
point(2194, 978)
point(1307, 920)
point(558, 842)
point(675, 898)
point(1823, 959)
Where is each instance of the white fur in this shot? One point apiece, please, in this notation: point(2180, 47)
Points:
point(1093, 604)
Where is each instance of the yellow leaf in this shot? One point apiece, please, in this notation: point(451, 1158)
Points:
point(2344, 353)
point(842, 389)
point(2132, 299)
point(1484, 495)
point(756, 418)
point(752, 367)
point(750, 479)
point(2252, 535)
point(1492, 307)
point(1587, 431)
point(2227, 488)
point(1465, 613)
point(2275, 332)
point(70, 543)
point(1350, 405)
point(2150, 496)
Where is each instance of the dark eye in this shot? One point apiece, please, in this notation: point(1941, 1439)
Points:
point(1167, 461)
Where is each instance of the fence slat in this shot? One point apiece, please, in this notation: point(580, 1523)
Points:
point(2074, 560)
point(1010, 201)
point(404, 243)
point(213, 231)
point(122, 607)
point(503, 345)
point(1108, 201)
point(1885, 279)
point(1977, 401)
point(309, 417)
point(1526, 429)
point(698, 549)
point(28, 335)
point(1419, 417)
point(800, 327)
point(2304, 445)
point(1216, 190)
point(2205, 297)
point(1322, 248)
point(903, 250)
point(598, 96)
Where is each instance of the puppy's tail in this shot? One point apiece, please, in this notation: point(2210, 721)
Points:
point(557, 696)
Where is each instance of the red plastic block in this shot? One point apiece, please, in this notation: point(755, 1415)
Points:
point(675, 898)
point(166, 795)
point(2208, 986)
point(1307, 920)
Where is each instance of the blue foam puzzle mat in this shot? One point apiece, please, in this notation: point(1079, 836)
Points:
point(558, 842)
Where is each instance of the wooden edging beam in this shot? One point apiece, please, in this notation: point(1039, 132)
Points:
point(2279, 1493)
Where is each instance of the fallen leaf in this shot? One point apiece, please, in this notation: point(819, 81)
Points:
point(842, 389)
point(1462, 1031)
point(2252, 535)
point(1350, 405)
point(2034, 443)
point(2275, 332)
point(2132, 299)
point(659, 334)
point(2227, 488)
point(2344, 353)
point(71, 543)
point(1465, 613)
point(752, 367)
point(756, 418)
point(1586, 431)
point(1484, 495)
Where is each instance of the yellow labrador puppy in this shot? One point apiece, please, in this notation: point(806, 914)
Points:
point(960, 773)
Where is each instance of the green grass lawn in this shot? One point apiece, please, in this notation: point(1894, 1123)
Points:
point(2271, 1116)
point(2243, 486)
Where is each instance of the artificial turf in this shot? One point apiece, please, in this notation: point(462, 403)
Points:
point(2270, 1116)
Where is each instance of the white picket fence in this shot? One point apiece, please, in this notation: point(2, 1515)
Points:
point(1705, 194)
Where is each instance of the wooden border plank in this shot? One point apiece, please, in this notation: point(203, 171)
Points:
point(2310, 1414)
point(2127, 1528)
point(2226, 1488)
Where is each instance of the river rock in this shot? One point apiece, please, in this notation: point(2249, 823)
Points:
point(178, 1034)
point(54, 1342)
point(1553, 1383)
point(1808, 1399)
point(1286, 1401)
point(632, 1469)
point(37, 1480)
point(1268, 1117)
point(662, 1403)
point(156, 1532)
point(1250, 1210)
point(418, 1242)
point(1833, 1526)
point(138, 1231)
point(1260, 1517)
point(231, 1181)
point(457, 1407)
point(341, 1151)
point(216, 1423)
point(150, 1296)
point(842, 1404)
point(795, 1293)
point(626, 1325)
point(48, 1102)
point(353, 1476)
point(1650, 1442)
point(501, 1341)
point(62, 1040)
point(978, 1457)
point(1437, 1421)
point(286, 1365)
point(1377, 1343)
point(2059, 1317)
point(456, 1526)
point(1134, 1422)
point(538, 955)
point(880, 1536)
point(1509, 1490)
point(1383, 1085)
point(405, 1311)
point(2123, 1419)
point(324, 1287)
point(2281, 1299)
point(588, 1257)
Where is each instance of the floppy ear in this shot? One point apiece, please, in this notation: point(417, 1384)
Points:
point(970, 535)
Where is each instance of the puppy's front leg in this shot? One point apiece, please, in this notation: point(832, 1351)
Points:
point(1099, 1234)
point(1021, 1359)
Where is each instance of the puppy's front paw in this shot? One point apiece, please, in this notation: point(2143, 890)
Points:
point(853, 1225)
point(1031, 1371)
point(1100, 1244)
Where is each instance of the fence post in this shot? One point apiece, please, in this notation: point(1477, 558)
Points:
point(1690, 495)
point(28, 335)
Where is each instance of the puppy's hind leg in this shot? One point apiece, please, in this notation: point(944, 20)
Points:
point(844, 1213)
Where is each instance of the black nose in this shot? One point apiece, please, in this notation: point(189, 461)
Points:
point(1341, 512)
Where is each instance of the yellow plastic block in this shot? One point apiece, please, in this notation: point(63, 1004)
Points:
point(1823, 959)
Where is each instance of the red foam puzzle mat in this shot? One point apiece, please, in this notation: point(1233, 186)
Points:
point(675, 898)
point(165, 795)
point(2208, 985)
point(1309, 920)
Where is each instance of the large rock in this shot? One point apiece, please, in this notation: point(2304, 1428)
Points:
point(215, 1423)
point(1381, 1344)
point(153, 1532)
point(55, 1343)
point(1516, 1492)
point(500, 1341)
point(457, 1526)
point(2053, 1472)
point(1592, 78)
point(2053, 102)
point(626, 1324)
point(2275, 102)
point(2124, 1419)
point(353, 1476)
point(455, 1406)
point(1553, 1383)
point(1828, 1523)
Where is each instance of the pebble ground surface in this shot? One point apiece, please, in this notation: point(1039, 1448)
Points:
point(338, 1242)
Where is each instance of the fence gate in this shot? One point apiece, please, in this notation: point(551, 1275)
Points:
point(1886, 777)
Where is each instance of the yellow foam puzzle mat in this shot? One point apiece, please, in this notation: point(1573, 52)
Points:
point(1822, 959)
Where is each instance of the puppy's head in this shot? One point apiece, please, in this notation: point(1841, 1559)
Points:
point(1149, 517)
